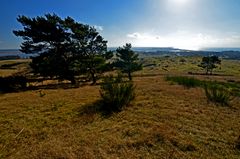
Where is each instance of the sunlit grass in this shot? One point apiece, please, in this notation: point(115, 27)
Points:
point(164, 121)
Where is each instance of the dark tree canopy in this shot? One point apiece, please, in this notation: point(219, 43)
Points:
point(65, 47)
point(209, 63)
point(127, 60)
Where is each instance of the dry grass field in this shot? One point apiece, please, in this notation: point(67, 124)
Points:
point(9, 67)
point(164, 121)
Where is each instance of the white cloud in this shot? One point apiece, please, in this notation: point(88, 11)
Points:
point(98, 27)
point(135, 35)
point(184, 39)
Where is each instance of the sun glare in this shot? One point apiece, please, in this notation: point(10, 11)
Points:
point(180, 2)
point(177, 40)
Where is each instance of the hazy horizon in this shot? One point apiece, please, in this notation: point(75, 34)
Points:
point(184, 24)
point(214, 49)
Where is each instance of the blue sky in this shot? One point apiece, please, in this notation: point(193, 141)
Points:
point(190, 24)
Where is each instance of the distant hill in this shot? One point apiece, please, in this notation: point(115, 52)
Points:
point(13, 54)
point(223, 54)
point(227, 53)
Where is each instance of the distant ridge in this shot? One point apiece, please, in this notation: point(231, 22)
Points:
point(9, 50)
point(220, 49)
point(13, 53)
point(149, 49)
point(227, 53)
point(145, 49)
point(172, 49)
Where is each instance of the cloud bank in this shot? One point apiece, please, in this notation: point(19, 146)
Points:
point(184, 40)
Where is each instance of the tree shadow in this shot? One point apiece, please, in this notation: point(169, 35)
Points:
point(93, 109)
point(5, 90)
point(55, 86)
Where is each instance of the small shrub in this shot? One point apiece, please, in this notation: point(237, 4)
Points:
point(188, 82)
point(116, 94)
point(217, 94)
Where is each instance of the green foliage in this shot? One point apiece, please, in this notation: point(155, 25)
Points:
point(116, 94)
point(127, 60)
point(209, 63)
point(188, 82)
point(96, 64)
point(65, 48)
point(217, 94)
point(234, 88)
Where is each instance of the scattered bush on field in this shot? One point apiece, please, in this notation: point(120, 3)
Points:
point(217, 94)
point(188, 82)
point(116, 94)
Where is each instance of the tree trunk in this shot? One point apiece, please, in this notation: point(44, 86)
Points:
point(129, 76)
point(207, 70)
point(73, 81)
point(211, 72)
point(94, 80)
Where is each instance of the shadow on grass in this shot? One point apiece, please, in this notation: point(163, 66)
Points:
point(55, 86)
point(11, 66)
point(21, 83)
point(41, 87)
point(93, 109)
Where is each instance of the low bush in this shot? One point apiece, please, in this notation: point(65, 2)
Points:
point(188, 82)
point(116, 94)
point(217, 94)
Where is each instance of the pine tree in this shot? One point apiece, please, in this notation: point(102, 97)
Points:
point(127, 60)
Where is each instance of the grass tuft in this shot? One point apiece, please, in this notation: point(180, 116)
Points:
point(188, 82)
point(217, 94)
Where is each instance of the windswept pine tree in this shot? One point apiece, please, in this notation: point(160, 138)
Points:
point(127, 60)
point(64, 47)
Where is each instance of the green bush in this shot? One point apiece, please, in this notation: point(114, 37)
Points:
point(188, 82)
point(217, 94)
point(116, 94)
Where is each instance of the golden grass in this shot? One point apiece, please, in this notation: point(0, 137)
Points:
point(164, 121)
point(7, 72)
point(173, 65)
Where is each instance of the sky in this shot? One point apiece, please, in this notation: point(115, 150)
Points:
point(185, 24)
